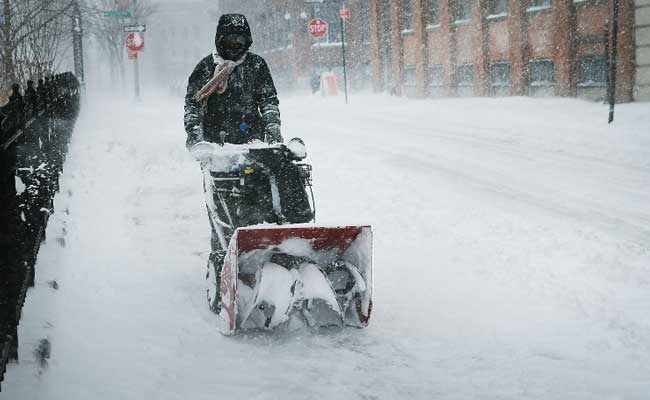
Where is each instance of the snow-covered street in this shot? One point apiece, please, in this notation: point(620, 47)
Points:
point(511, 257)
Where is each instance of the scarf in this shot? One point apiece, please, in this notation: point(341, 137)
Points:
point(219, 82)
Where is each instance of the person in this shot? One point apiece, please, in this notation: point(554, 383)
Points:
point(17, 105)
point(31, 97)
point(231, 98)
point(315, 83)
point(231, 92)
point(41, 90)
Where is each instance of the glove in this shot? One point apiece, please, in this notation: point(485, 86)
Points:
point(194, 136)
point(273, 134)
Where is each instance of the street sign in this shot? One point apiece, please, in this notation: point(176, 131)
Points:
point(133, 55)
point(117, 13)
point(317, 27)
point(135, 42)
point(135, 28)
point(345, 13)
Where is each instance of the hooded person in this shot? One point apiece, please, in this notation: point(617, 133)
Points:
point(231, 91)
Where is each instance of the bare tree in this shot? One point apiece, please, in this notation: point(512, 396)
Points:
point(29, 25)
point(41, 53)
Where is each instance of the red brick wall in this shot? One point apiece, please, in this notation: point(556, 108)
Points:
point(563, 33)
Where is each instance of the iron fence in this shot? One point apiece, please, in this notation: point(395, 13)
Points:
point(35, 131)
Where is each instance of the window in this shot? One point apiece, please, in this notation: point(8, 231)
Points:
point(497, 8)
point(275, 31)
point(462, 10)
point(364, 13)
point(465, 80)
point(410, 80)
point(592, 71)
point(386, 23)
point(535, 5)
point(289, 32)
point(500, 78)
point(264, 42)
point(407, 15)
point(587, 3)
point(542, 77)
point(410, 76)
point(592, 77)
point(331, 15)
point(433, 13)
point(437, 80)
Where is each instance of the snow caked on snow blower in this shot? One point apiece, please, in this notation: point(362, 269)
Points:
point(270, 265)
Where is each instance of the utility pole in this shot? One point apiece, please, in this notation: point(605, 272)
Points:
point(77, 44)
point(343, 15)
point(612, 64)
point(136, 65)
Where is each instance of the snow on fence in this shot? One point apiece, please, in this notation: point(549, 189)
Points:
point(34, 133)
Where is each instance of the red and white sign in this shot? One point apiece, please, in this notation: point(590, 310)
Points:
point(135, 42)
point(133, 55)
point(345, 13)
point(317, 27)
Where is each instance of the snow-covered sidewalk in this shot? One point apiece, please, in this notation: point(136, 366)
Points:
point(512, 258)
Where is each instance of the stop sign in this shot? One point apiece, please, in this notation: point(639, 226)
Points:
point(135, 41)
point(317, 27)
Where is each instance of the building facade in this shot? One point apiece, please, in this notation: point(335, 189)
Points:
point(431, 48)
point(500, 47)
point(642, 50)
point(178, 36)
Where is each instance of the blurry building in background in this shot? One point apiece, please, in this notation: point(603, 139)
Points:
point(430, 48)
point(642, 49)
point(501, 47)
point(178, 37)
point(280, 36)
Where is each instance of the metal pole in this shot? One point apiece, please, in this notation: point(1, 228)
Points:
point(345, 74)
point(77, 44)
point(136, 75)
point(612, 65)
point(607, 61)
point(136, 61)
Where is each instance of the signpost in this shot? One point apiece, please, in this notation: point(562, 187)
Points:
point(77, 43)
point(345, 14)
point(611, 90)
point(318, 28)
point(135, 44)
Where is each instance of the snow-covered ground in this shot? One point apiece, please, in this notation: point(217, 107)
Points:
point(512, 258)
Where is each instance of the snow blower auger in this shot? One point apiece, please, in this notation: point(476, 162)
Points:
point(269, 266)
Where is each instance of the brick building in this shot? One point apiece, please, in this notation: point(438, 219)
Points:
point(499, 47)
point(429, 48)
point(642, 50)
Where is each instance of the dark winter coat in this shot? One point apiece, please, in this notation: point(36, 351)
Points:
point(31, 98)
point(244, 111)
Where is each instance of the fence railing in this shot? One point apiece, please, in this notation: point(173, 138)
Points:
point(35, 130)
